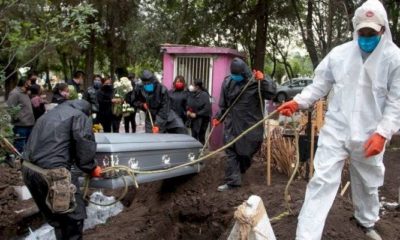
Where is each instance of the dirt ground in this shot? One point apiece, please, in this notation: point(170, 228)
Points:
point(191, 208)
point(8, 198)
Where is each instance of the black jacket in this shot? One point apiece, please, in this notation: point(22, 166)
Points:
point(159, 105)
point(75, 85)
point(178, 102)
point(58, 98)
point(199, 103)
point(104, 99)
point(91, 96)
point(246, 112)
point(63, 137)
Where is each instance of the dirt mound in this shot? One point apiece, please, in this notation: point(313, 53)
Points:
point(191, 208)
point(10, 176)
point(8, 198)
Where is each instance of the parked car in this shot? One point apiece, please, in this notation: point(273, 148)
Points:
point(289, 89)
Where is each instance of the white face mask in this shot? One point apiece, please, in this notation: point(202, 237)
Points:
point(191, 88)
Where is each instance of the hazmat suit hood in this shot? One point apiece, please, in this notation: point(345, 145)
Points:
point(374, 7)
point(372, 64)
point(81, 105)
point(238, 66)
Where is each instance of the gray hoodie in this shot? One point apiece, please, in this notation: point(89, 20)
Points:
point(25, 117)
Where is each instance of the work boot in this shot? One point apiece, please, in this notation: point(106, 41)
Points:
point(371, 233)
point(225, 187)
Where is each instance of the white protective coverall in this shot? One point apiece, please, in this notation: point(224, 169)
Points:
point(366, 99)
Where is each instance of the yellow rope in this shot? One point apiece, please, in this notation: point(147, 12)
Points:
point(225, 114)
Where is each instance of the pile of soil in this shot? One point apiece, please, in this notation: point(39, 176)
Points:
point(8, 198)
point(190, 207)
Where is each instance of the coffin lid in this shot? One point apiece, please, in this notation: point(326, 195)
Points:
point(122, 142)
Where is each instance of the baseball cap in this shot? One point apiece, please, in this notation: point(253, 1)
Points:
point(366, 17)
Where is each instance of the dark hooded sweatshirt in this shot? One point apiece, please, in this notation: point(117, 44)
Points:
point(246, 112)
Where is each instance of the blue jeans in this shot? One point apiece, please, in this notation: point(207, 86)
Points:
point(21, 137)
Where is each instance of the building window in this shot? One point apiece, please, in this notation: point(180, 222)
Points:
point(193, 67)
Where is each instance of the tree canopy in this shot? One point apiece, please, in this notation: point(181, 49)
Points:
point(116, 36)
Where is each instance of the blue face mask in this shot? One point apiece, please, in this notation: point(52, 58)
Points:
point(237, 77)
point(368, 44)
point(149, 87)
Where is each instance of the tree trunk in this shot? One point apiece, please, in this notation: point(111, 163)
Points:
point(48, 84)
point(273, 68)
point(89, 61)
point(307, 33)
point(261, 35)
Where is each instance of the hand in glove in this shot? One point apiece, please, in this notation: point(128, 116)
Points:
point(215, 122)
point(156, 129)
point(288, 108)
point(374, 145)
point(258, 75)
point(96, 172)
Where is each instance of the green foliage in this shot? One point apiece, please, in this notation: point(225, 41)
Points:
point(38, 26)
point(72, 93)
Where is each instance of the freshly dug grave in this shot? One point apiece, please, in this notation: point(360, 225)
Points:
point(191, 208)
point(8, 198)
point(11, 209)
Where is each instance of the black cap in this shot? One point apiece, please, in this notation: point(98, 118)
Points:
point(238, 66)
point(147, 76)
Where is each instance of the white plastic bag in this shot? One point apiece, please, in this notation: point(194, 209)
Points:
point(99, 214)
point(95, 215)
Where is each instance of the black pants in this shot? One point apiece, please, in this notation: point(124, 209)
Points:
point(130, 120)
point(235, 166)
point(110, 123)
point(69, 229)
point(67, 226)
point(116, 122)
point(199, 128)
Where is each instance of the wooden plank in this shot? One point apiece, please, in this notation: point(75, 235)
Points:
point(311, 172)
point(268, 153)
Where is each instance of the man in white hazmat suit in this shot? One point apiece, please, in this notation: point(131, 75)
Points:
point(363, 114)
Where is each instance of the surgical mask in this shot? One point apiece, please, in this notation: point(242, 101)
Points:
point(97, 84)
point(237, 77)
point(191, 88)
point(368, 44)
point(149, 87)
point(179, 85)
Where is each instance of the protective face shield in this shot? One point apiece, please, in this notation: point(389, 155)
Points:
point(237, 77)
point(368, 44)
point(149, 87)
point(179, 85)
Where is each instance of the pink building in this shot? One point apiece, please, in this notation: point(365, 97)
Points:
point(210, 64)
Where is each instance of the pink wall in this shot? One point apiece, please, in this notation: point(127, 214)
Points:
point(222, 59)
point(220, 71)
point(168, 70)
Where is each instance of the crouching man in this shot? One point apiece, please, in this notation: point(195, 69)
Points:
point(61, 138)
